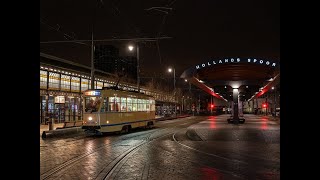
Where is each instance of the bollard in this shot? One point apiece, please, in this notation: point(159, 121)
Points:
point(44, 134)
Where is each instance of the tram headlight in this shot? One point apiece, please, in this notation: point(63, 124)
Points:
point(90, 118)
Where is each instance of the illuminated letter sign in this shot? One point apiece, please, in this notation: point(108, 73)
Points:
point(235, 60)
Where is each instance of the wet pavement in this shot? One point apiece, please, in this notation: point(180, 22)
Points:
point(199, 147)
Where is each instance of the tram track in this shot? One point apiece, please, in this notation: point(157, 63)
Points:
point(110, 172)
point(93, 138)
point(74, 160)
point(112, 166)
point(116, 165)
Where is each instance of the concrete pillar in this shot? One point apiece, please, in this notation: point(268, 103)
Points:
point(235, 106)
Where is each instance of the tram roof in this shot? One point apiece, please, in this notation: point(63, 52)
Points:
point(121, 91)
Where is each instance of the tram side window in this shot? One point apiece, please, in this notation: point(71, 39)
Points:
point(129, 104)
point(140, 105)
point(134, 104)
point(114, 103)
point(147, 105)
point(104, 106)
point(144, 105)
point(123, 104)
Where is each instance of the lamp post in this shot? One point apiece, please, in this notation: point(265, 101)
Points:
point(174, 88)
point(130, 47)
point(92, 60)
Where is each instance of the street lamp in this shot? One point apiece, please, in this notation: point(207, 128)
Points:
point(130, 47)
point(174, 88)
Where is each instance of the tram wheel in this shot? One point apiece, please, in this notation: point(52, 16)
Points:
point(125, 129)
point(149, 125)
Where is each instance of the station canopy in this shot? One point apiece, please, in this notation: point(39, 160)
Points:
point(218, 77)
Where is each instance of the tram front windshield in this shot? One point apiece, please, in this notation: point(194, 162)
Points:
point(92, 104)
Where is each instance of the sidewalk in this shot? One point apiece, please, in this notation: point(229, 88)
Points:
point(44, 127)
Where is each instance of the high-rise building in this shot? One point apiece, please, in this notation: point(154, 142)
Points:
point(129, 63)
point(107, 59)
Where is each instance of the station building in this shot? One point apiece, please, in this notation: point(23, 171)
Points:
point(62, 83)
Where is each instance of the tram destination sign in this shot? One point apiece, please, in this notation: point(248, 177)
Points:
point(92, 93)
point(236, 60)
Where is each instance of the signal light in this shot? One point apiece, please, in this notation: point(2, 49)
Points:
point(212, 106)
point(264, 105)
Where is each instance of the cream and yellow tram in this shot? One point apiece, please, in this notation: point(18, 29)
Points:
point(110, 110)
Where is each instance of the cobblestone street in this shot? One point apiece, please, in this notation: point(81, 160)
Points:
point(199, 147)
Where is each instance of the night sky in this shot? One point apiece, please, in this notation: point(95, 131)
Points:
point(200, 30)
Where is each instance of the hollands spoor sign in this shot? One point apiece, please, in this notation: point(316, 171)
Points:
point(236, 60)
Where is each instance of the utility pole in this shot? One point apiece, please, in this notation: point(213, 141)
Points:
point(138, 68)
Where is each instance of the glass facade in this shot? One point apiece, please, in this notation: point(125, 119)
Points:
point(54, 81)
point(99, 85)
point(65, 83)
point(43, 79)
point(75, 84)
point(84, 84)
